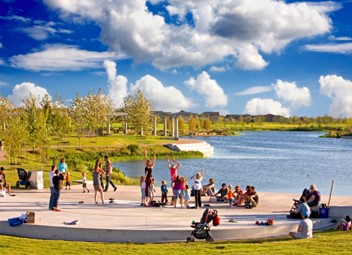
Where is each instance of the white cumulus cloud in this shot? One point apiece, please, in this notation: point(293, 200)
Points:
point(165, 98)
point(21, 91)
point(213, 94)
point(340, 91)
point(259, 106)
point(254, 90)
point(60, 58)
point(218, 30)
point(289, 92)
point(117, 83)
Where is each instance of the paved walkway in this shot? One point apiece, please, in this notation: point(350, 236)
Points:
point(126, 220)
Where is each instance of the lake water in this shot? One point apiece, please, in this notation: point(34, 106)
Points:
point(272, 161)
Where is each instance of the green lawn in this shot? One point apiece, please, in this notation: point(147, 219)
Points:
point(328, 243)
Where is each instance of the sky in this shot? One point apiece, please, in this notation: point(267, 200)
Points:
point(290, 58)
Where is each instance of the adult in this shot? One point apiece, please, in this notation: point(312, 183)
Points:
point(57, 182)
point(252, 198)
point(313, 198)
point(108, 173)
point(62, 166)
point(98, 171)
point(221, 195)
point(304, 230)
point(148, 171)
point(197, 187)
point(52, 190)
point(173, 169)
point(208, 189)
point(3, 182)
point(344, 224)
point(302, 209)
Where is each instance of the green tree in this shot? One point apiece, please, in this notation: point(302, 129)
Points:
point(6, 109)
point(207, 124)
point(139, 112)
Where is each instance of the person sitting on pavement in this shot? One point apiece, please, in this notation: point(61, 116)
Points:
point(313, 198)
point(221, 195)
point(242, 198)
point(305, 229)
point(344, 224)
point(208, 189)
point(3, 182)
point(252, 198)
point(302, 208)
point(237, 194)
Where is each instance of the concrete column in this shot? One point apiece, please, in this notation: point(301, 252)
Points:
point(176, 134)
point(109, 128)
point(165, 126)
point(126, 128)
point(172, 127)
point(142, 131)
point(155, 125)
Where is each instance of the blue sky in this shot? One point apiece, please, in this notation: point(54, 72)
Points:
point(290, 58)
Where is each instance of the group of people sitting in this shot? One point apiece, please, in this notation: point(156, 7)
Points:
point(235, 197)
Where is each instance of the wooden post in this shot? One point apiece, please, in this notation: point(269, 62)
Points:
point(332, 187)
point(165, 126)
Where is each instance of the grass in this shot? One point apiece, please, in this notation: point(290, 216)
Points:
point(331, 242)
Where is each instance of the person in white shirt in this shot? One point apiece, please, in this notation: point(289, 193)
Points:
point(305, 228)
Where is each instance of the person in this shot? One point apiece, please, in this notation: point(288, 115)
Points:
point(148, 171)
point(57, 182)
point(84, 182)
point(187, 196)
point(178, 188)
point(4, 184)
point(164, 192)
point(252, 198)
point(304, 230)
point(151, 190)
point(108, 173)
point(230, 195)
point(197, 187)
point(344, 224)
point(208, 189)
point(62, 166)
point(302, 209)
point(237, 194)
point(142, 184)
point(68, 181)
point(313, 198)
point(173, 169)
point(221, 195)
point(98, 171)
point(244, 195)
point(52, 189)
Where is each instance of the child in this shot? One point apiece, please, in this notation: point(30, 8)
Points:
point(164, 192)
point(197, 186)
point(84, 182)
point(237, 194)
point(151, 190)
point(68, 180)
point(142, 183)
point(230, 195)
point(187, 196)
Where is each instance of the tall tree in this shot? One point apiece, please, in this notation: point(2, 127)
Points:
point(6, 109)
point(139, 112)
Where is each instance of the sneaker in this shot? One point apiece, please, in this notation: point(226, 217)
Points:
point(115, 189)
point(57, 210)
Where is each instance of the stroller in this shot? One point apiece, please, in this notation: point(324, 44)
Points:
point(296, 202)
point(202, 228)
point(23, 177)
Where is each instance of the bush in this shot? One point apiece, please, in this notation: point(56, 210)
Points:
point(133, 148)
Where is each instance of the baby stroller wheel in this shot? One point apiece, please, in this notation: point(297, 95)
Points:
point(190, 239)
point(209, 239)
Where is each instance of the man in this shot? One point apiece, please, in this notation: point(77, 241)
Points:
point(305, 228)
point(57, 182)
point(221, 195)
point(52, 190)
point(252, 198)
point(302, 208)
point(108, 172)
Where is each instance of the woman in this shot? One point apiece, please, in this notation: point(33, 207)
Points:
point(148, 171)
point(314, 196)
point(96, 182)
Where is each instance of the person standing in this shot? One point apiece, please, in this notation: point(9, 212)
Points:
point(197, 186)
point(148, 171)
point(305, 229)
point(108, 173)
point(52, 190)
point(62, 166)
point(84, 182)
point(96, 182)
point(57, 182)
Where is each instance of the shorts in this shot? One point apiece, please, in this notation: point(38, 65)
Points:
point(143, 193)
point(84, 185)
point(177, 193)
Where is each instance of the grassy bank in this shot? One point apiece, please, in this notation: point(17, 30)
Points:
point(331, 243)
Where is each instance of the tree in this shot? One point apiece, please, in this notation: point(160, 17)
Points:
point(78, 114)
point(181, 124)
point(207, 124)
point(6, 109)
point(139, 112)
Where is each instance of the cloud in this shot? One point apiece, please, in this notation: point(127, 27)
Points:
point(61, 58)
point(217, 30)
point(340, 91)
point(213, 94)
point(218, 69)
point(259, 106)
point(117, 84)
point(254, 90)
point(43, 32)
point(21, 91)
point(341, 38)
point(3, 84)
point(341, 48)
point(165, 98)
point(289, 92)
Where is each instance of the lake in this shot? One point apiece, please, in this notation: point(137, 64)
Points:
point(284, 162)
